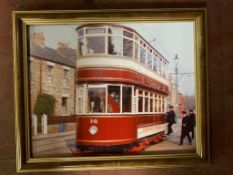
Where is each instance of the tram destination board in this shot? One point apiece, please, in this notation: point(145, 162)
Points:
point(110, 89)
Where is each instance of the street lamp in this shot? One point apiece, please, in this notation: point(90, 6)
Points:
point(176, 59)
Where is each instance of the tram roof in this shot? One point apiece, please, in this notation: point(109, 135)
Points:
point(120, 26)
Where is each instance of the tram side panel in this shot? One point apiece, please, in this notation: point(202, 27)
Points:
point(106, 133)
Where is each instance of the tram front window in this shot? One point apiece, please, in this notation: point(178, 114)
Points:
point(95, 45)
point(128, 48)
point(115, 46)
point(113, 99)
point(96, 99)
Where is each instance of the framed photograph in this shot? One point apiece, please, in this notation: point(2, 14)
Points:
point(110, 89)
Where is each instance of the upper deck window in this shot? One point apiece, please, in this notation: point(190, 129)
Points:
point(115, 40)
point(160, 65)
point(115, 31)
point(149, 60)
point(95, 44)
point(136, 51)
point(80, 33)
point(127, 48)
point(154, 62)
point(143, 55)
point(95, 31)
point(115, 45)
point(128, 34)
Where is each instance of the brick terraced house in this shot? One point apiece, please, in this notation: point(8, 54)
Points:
point(52, 71)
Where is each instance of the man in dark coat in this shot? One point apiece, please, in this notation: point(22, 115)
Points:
point(170, 120)
point(185, 128)
point(192, 118)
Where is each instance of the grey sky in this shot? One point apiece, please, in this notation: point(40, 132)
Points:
point(169, 38)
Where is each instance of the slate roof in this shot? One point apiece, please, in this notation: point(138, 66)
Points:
point(65, 57)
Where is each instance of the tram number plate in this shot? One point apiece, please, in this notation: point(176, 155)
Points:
point(93, 121)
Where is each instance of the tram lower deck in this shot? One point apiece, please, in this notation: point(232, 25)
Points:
point(119, 133)
point(118, 117)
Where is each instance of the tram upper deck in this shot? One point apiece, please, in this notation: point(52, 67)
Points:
point(117, 46)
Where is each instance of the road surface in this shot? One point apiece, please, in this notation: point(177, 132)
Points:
point(63, 144)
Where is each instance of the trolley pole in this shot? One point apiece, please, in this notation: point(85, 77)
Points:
point(176, 84)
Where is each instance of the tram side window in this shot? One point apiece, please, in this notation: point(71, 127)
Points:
point(160, 66)
point(160, 104)
point(151, 103)
point(115, 45)
point(149, 60)
point(95, 45)
point(113, 99)
point(128, 34)
point(136, 51)
point(146, 102)
point(96, 100)
point(155, 104)
point(127, 48)
point(163, 104)
point(126, 99)
point(140, 103)
point(155, 64)
point(80, 33)
point(142, 55)
point(115, 31)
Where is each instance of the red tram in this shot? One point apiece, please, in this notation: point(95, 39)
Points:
point(121, 90)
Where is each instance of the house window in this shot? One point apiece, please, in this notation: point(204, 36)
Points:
point(50, 74)
point(64, 105)
point(65, 77)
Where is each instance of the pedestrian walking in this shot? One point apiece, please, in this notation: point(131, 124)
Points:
point(192, 118)
point(170, 120)
point(185, 128)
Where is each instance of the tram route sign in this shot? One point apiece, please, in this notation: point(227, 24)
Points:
point(103, 80)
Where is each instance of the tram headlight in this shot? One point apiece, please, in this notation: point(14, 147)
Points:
point(93, 130)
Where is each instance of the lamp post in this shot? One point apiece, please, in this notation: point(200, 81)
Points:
point(176, 59)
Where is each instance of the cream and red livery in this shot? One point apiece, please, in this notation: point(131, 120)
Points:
point(121, 90)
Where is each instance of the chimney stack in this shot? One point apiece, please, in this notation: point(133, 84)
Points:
point(38, 38)
point(62, 46)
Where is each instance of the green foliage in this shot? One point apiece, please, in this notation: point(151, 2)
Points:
point(45, 104)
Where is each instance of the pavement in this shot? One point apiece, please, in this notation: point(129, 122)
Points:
point(170, 143)
point(63, 144)
point(54, 145)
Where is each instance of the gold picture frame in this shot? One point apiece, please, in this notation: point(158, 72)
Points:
point(25, 162)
